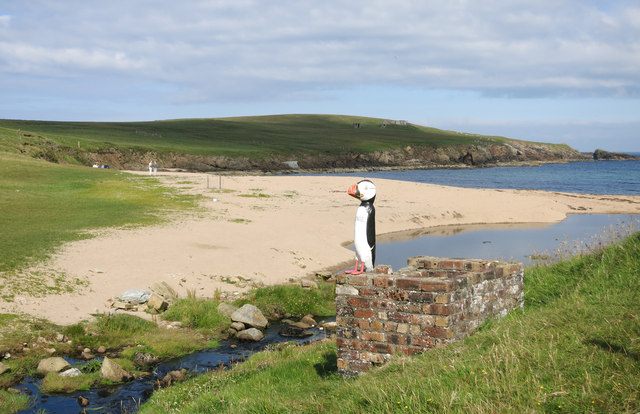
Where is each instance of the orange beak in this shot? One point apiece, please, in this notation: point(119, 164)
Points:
point(353, 191)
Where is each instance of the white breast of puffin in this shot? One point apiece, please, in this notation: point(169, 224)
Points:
point(360, 236)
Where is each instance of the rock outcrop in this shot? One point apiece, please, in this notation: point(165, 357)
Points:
point(600, 154)
point(53, 364)
point(250, 315)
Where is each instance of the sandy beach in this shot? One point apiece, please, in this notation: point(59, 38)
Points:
point(269, 230)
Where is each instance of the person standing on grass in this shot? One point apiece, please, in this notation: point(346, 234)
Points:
point(153, 167)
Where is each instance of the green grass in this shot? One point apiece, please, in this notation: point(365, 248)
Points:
point(574, 348)
point(253, 137)
point(279, 300)
point(43, 205)
point(11, 403)
point(198, 314)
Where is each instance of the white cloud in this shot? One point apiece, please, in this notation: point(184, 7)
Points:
point(250, 49)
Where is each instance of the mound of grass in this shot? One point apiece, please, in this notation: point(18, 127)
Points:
point(11, 402)
point(197, 313)
point(53, 383)
point(276, 301)
point(574, 348)
point(252, 137)
point(43, 205)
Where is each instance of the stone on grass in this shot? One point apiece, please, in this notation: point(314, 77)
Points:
point(73, 372)
point(226, 309)
point(308, 284)
point(308, 319)
point(251, 334)
point(135, 296)
point(157, 303)
point(3, 368)
point(250, 315)
point(238, 326)
point(113, 372)
point(101, 349)
point(330, 326)
point(53, 364)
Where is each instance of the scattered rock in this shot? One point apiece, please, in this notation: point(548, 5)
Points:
point(7, 355)
point(171, 377)
point(82, 401)
point(50, 351)
point(231, 332)
point(226, 308)
point(61, 338)
point(300, 325)
point(294, 332)
point(52, 364)
point(238, 326)
point(330, 326)
point(118, 304)
point(157, 303)
point(86, 355)
point(308, 319)
point(113, 372)
point(250, 315)
point(143, 359)
point(288, 321)
point(135, 296)
point(308, 284)
point(3, 368)
point(86, 350)
point(165, 291)
point(73, 372)
point(324, 275)
point(251, 334)
point(101, 349)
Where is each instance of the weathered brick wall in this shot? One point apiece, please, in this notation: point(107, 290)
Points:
point(432, 302)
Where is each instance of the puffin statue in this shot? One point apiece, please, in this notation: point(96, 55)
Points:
point(365, 228)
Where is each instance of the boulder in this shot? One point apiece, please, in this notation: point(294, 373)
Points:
point(101, 349)
point(143, 359)
point(86, 355)
point(73, 372)
point(3, 368)
point(251, 334)
point(300, 325)
point(173, 376)
point(238, 326)
point(52, 364)
point(226, 309)
point(308, 319)
point(324, 275)
point(113, 372)
point(165, 291)
point(330, 326)
point(250, 315)
point(157, 303)
point(308, 284)
point(82, 401)
point(135, 296)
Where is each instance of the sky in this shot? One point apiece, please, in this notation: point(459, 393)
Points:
point(546, 70)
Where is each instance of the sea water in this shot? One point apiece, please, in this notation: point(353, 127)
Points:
point(588, 177)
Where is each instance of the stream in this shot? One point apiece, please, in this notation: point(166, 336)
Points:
point(126, 398)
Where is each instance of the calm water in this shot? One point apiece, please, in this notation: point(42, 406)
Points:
point(506, 242)
point(601, 177)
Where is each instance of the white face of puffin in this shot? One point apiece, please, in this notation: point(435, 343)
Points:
point(364, 190)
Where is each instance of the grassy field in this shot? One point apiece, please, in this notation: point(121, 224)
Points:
point(43, 205)
point(252, 137)
point(574, 348)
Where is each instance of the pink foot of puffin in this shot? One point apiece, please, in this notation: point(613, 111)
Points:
point(357, 270)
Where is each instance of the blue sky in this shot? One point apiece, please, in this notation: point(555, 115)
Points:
point(556, 71)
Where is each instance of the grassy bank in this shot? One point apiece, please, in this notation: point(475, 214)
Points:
point(574, 348)
point(253, 137)
point(43, 205)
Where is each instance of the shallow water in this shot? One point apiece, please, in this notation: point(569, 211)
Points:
point(506, 242)
point(128, 397)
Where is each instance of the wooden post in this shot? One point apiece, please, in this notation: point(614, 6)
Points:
point(219, 182)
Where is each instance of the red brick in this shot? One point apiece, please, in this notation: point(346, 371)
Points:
point(358, 280)
point(358, 302)
point(363, 313)
point(408, 283)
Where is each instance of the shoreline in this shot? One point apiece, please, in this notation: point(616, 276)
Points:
point(240, 231)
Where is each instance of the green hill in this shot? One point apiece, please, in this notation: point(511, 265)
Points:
point(264, 142)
